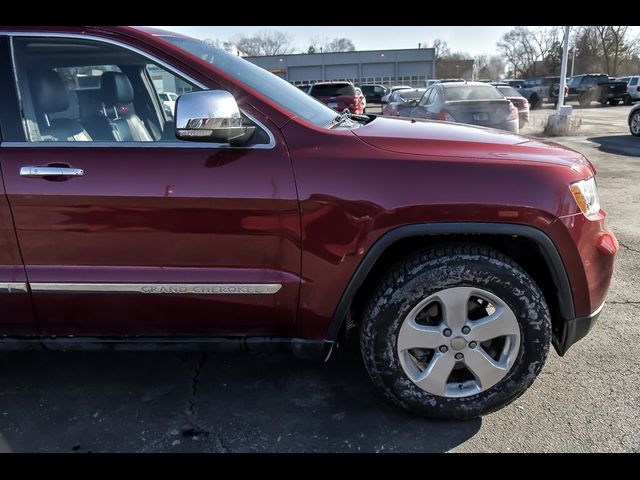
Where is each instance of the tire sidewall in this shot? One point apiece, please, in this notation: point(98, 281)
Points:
point(636, 114)
point(508, 283)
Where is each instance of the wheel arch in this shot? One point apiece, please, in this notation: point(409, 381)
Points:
point(544, 264)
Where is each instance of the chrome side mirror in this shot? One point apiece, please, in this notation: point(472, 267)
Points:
point(210, 116)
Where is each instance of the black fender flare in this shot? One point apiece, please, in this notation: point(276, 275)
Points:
point(541, 239)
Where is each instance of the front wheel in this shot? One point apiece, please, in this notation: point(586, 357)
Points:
point(627, 99)
point(455, 332)
point(584, 101)
point(614, 103)
point(634, 124)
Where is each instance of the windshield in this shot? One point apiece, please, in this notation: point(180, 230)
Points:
point(271, 86)
point(472, 92)
point(332, 90)
point(407, 95)
point(509, 91)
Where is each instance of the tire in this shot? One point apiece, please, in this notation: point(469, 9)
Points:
point(584, 101)
point(627, 99)
point(614, 103)
point(390, 318)
point(634, 124)
point(535, 102)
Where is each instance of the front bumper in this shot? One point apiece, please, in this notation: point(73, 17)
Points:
point(589, 259)
point(574, 330)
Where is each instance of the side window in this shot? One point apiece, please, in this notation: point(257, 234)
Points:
point(165, 86)
point(634, 81)
point(75, 90)
point(427, 98)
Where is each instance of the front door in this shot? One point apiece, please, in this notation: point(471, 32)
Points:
point(143, 234)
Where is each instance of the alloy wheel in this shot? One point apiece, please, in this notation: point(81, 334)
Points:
point(458, 342)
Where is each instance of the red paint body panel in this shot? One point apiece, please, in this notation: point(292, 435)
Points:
point(159, 215)
point(303, 214)
point(591, 270)
point(17, 311)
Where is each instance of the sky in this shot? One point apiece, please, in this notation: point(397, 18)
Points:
point(472, 40)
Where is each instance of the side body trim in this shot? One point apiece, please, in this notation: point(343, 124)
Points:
point(13, 287)
point(161, 289)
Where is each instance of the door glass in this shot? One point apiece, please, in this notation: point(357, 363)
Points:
point(75, 90)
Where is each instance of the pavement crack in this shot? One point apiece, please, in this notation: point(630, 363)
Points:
point(624, 302)
point(627, 247)
point(223, 445)
point(194, 385)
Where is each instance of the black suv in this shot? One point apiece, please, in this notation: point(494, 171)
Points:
point(596, 87)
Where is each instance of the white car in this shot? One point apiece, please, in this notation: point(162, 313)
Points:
point(363, 99)
point(633, 88)
point(169, 99)
point(385, 99)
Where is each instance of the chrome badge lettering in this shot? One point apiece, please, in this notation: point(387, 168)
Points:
point(153, 288)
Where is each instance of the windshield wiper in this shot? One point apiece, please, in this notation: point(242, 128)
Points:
point(340, 119)
point(347, 116)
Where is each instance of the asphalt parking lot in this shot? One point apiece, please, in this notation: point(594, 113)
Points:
point(239, 402)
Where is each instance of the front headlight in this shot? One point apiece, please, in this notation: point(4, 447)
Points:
point(586, 194)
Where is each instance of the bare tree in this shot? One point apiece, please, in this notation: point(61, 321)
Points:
point(609, 49)
point(616, 46)
point(265, 42)
point(531, 52)
point(441, 48)
point(341, 45)
point(228, 46)
point(488, 66)
point(317, 44)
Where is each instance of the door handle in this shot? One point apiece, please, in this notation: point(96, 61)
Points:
point(40, 172)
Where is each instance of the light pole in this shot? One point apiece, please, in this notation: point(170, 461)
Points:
point(573, 58)
point(563, 71)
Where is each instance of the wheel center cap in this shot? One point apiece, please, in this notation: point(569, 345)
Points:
point(458, 343)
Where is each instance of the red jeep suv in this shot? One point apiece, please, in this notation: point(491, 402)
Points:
point(257, 218)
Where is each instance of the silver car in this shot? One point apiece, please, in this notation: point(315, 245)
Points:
point(470, 102)
point(633, 88)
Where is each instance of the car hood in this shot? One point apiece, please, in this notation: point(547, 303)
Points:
point(443, 139)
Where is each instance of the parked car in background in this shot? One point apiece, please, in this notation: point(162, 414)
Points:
point(444, 80)
point(402, 101)
point(363, 99)
point(339, 96)
point(633, 88)
point(595, 87)
point(169, 99)
point(634, 121)
point(471, 102)
point(515, 83)
point(540, 90)
point(518, 101)
point(374, 92)
point(261, 220)
point(385, 99)
point(304, 88)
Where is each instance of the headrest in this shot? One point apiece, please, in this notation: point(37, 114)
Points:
point(115, 88)
point(50, 94)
